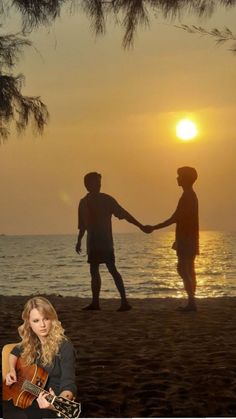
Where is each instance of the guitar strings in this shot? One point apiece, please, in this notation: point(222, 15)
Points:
point(21, 380)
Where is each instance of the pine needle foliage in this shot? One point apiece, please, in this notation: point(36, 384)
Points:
point(19, 109)
point(16, 109)
point(220, 36)
point(37, 12)
point(11, 47)
point(131, 14)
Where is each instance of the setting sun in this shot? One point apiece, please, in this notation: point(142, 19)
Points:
point(186, 130)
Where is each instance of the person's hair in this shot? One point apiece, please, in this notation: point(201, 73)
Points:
point(189, 174)
point(90, 178)
point(30, 342)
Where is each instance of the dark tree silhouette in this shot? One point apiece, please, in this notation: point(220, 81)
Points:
point(14, 107)
point(129, 14)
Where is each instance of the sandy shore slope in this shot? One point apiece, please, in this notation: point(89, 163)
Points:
point(150, 362)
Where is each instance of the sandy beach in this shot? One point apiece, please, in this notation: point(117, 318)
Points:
point(150, 362)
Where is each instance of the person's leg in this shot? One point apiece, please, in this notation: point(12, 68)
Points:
point(95, 287)
point(186, 271)
point(193, 274)
point(34, 412)
point(119, 285)
point(12, 412)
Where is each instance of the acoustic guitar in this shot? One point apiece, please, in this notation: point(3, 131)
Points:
point(31, 380)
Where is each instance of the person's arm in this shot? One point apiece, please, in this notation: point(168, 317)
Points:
point(81, 227)
point(128, 217)
point(79, 240)
point(68, 387)
point(149, 228)
point(122, 214)
point(166, 223)
point(11, 375)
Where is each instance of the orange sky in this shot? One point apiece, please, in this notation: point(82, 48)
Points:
point(114, 111)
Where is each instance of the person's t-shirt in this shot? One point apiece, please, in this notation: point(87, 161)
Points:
point(187, 224)
point(95, 213)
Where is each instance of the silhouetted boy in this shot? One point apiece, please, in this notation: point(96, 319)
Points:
point(95, 213)
point(187, 233)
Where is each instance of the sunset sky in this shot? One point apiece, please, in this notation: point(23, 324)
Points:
point(114, 111)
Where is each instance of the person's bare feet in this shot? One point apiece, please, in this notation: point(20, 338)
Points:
point(187, 308)
point(125, 307)
point(91, 306)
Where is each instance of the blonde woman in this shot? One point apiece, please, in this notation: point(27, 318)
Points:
point(44, 343)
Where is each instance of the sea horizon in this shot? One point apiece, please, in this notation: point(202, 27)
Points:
point(147, 263)
point(114, 232)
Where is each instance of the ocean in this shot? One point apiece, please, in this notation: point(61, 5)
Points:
point(48, 264)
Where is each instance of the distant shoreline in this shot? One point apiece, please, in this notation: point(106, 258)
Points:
point(168, 230)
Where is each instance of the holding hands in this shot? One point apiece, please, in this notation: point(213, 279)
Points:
point(147, 229)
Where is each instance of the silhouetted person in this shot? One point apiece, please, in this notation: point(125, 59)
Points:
point(187, 233)
point(95, 213)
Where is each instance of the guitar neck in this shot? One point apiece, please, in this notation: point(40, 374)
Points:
point(36, 390)
point(66, 408)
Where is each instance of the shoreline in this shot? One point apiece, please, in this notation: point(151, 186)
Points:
point(152, 361)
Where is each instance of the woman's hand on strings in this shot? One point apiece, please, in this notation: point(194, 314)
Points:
point(42, 400)
point(11, 377)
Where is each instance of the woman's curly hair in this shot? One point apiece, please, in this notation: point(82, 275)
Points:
point(30, 343)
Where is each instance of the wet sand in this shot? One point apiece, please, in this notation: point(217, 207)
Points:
point(150, 362)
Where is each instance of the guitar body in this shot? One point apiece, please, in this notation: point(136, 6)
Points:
point(16, 393)
point(31, 380)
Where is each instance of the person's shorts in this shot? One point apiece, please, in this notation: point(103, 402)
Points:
point(101, 256)
point(186, 251)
